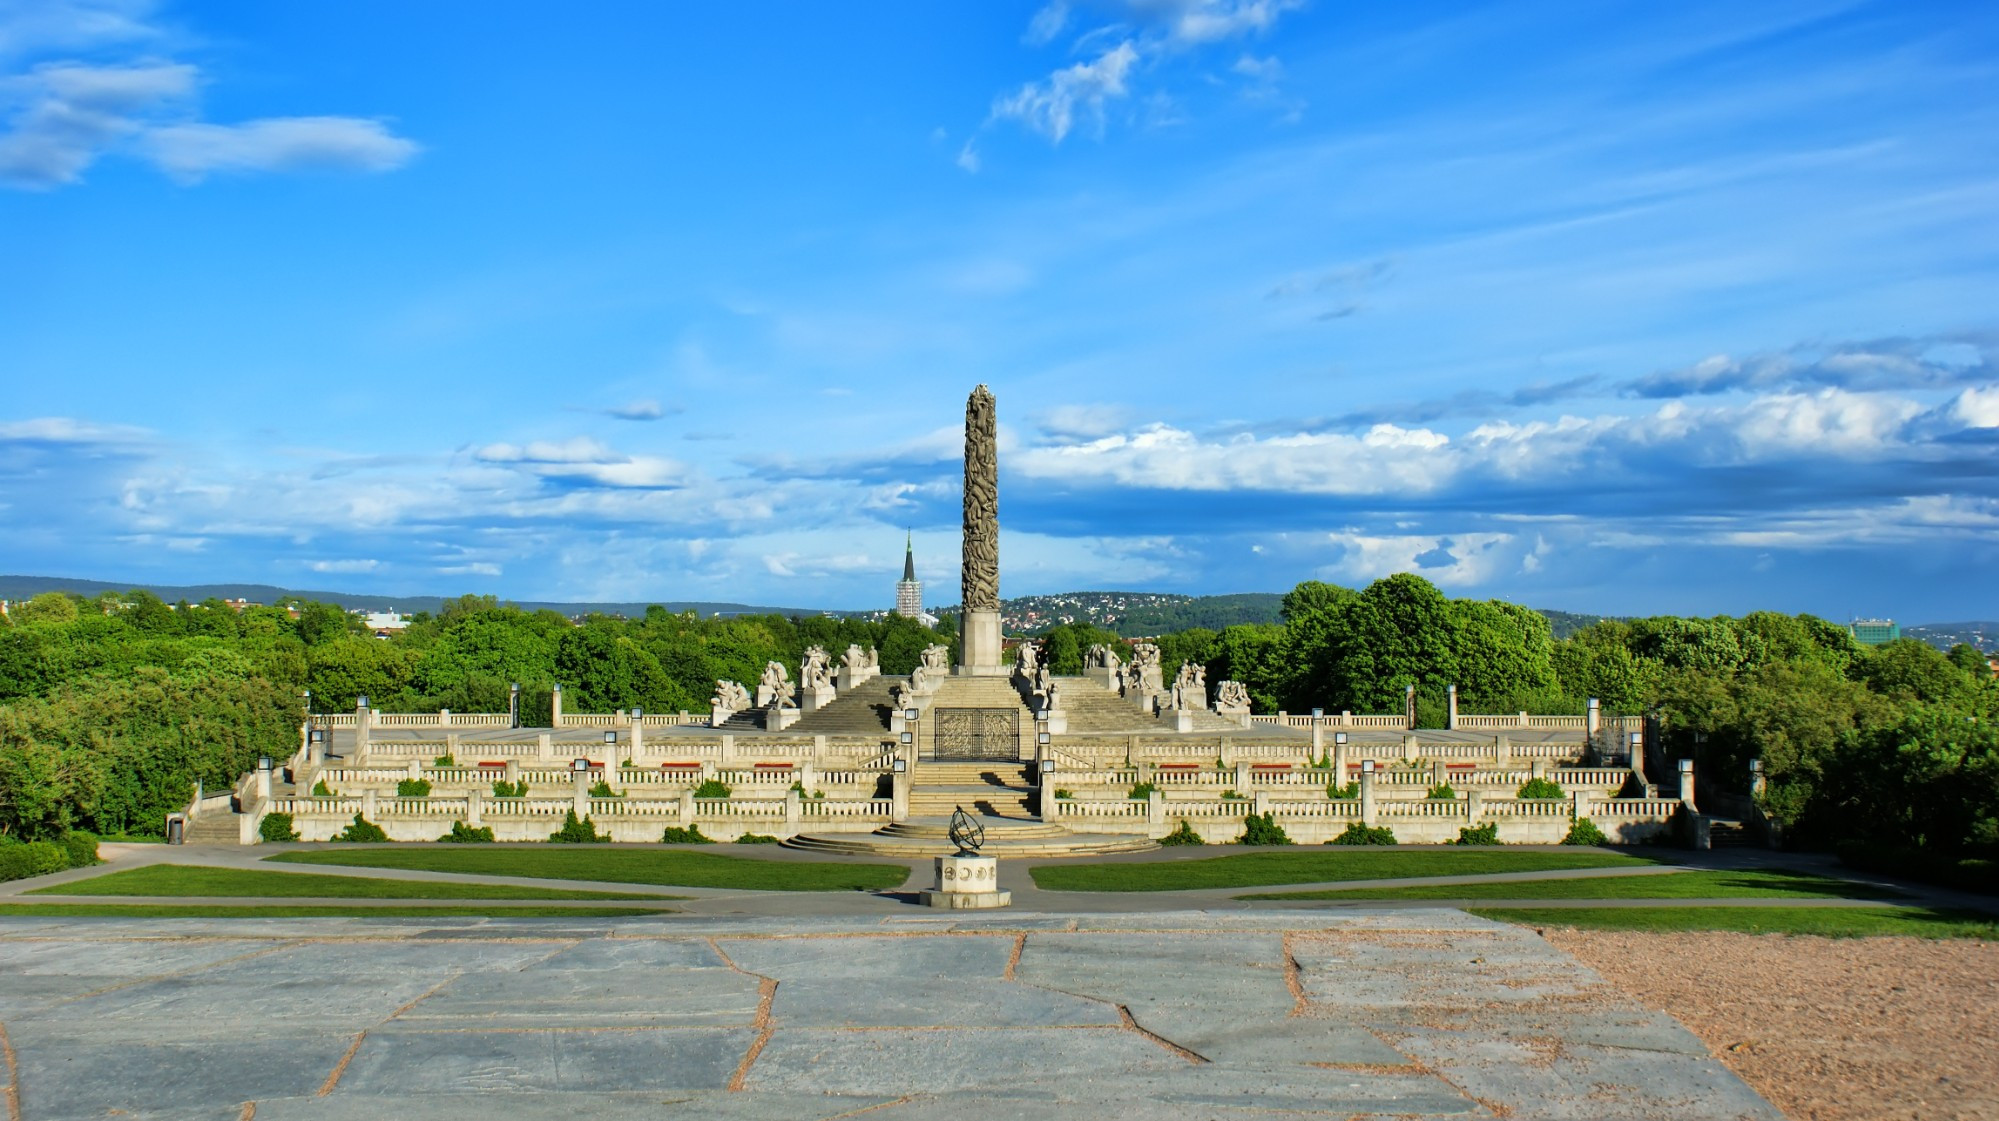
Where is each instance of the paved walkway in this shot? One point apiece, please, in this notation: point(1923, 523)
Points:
point(1369, 1013)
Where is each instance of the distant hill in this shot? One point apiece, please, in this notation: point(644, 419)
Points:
point(1135, 614)
point(24, 587)
point(1943, 636)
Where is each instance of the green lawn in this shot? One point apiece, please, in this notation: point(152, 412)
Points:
point(613, 864)
point(1772, 884)
point(194, 879)
point(1830, 922)
point(1310, 866)
point(296, 911)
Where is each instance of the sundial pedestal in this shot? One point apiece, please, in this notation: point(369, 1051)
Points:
point(967, 883)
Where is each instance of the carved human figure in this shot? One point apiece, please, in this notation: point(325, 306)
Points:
point(1043, 680)
point(1100, 656)
point(1232, 695)
point(730, 696)
point(814, 672)
point(1027, 658)
point(1051, 697)
point(775, 688)
point(853, 659)
point(937, 659)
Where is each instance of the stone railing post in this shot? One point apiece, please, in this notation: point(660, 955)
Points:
point(791, 811)
point(264, 779)
point(555, 707)
point(1318, 744)
point(414, 769)
point(513, 772)
point(579, 793)
point(1592, 721)
point(1155, 808)
point(1538, 767)
point(686, 806)
point(368, 804)
point(363, 720)
point(1474, 805)
point(638, 739)
point(1367, 796)
point(544, 748)
point(475, 807)
point(1687, 783)
point(1756, 781)
point(899, 791)
point(1411, 750)
point(444, 718)
point(1502, 750)
point(1241, 777)
point(808, 774)
point(1440, 772)
point(1262, 803)
point(451, 745)
point(728, 749)
point(1451, 707)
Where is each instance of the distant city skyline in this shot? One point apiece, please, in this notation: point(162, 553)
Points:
point(1621, 309)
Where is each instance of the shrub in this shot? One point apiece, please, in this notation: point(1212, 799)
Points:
point(712, 788)
point(463, 834)
point(1142, 792)
point(1230, 795)
point(277, 827)
point(1262, 829)
point(1345, 793)
point(1064, 792)
point(321, 790)
point(444, 761)
point(1487, 834)
point(80, 847)
point(1539, 788)
point(691, 835)
point(1442, 792)
point(362, 832)
point(574, 832)
point(31, 858)
point(413, 788)
point(799, 786)
point(1183, 835)
point(602, 789)
point(1358, 834)
point(755, 839)
point(1585, 832)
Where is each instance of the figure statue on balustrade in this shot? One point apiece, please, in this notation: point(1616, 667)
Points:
point(855, 660)
point(1027, 659)
point(1232, 696)
point(730, 697)
point(775, 689)
point(1190, 687)
point(1145, 676)
point(1043, 680)
point(815, 671)
point(921, 681)
point(937, 659)
point(1100, 657)
point(900, 697)
point(1051, 697)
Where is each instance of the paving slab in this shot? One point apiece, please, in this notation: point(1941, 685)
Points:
point(1222, 1014)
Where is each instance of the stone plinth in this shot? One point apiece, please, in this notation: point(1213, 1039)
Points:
point(1056, 720)
point(1180, 719)
point(967, 883)
point(1237, 713)
point(981, 650)
point(777, 718)
point(812, 699)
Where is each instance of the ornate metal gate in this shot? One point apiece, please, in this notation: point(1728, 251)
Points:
point(977, 734)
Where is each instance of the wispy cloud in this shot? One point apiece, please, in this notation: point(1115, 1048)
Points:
point(1051, 106)
point(63, 114)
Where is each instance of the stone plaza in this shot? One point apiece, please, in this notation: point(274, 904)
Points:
point(1360, 1013)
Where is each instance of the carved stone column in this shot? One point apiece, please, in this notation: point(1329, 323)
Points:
point(979, 568)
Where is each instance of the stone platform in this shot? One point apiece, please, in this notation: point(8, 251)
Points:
point(1004, 837)
point(1367, 1013)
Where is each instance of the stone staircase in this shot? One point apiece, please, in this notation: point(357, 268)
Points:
point(988, 789)
point(216, 827)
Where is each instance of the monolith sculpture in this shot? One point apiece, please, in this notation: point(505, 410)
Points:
point(980, 566)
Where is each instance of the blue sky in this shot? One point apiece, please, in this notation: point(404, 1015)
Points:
point(1598, 306)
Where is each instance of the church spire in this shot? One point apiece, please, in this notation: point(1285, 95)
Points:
point(909, 558)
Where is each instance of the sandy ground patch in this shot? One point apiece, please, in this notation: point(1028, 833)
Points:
point(1827, 1029)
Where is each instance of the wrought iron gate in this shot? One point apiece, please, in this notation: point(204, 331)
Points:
point(977, 734)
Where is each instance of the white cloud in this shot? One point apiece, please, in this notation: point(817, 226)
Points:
point(637, 410)
point(581, 449)
point(1452, 560)
point(479, 568)
point(189, 152)
point(1260, 70)
point(344, 565)
point(587, 461)
point(1047, 23)
point(1977, 407)
point(68, 430)
point(1051, 107)
point(62, 115)
point(968, 158)
point(1211, 21)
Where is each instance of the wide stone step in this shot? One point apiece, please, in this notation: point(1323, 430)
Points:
point(887, 844)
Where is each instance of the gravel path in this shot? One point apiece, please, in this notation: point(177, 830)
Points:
point(1855, 1029)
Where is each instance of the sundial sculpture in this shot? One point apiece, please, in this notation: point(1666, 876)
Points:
point(967, 834)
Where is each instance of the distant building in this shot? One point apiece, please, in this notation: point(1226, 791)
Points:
point(385, 623)
point(1874, 632)
point(909, 590)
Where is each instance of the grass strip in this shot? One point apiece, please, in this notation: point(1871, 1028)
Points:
point(1314, 866)
point(610, 864)
point(1826, 922)
point(195, 879)
point(310, 911)
point(1759, 884)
